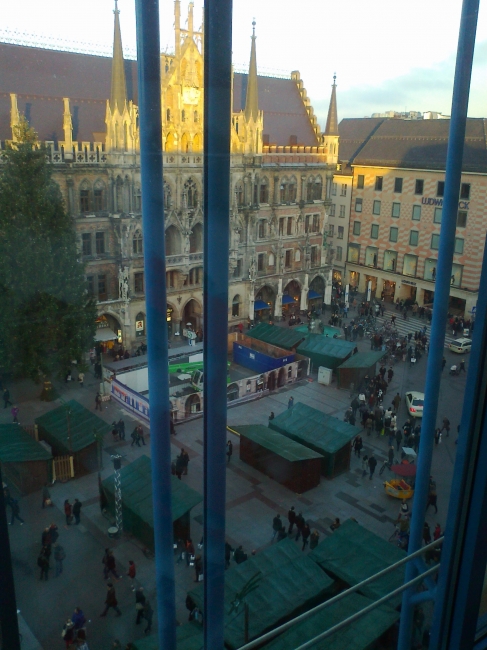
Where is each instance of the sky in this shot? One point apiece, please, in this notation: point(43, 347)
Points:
point(386, 55)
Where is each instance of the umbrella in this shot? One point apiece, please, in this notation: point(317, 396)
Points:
point(404, 469)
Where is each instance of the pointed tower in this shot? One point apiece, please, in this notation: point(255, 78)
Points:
point(330, 136)
point(120, 116)
point(253, 117)
point(118, 95)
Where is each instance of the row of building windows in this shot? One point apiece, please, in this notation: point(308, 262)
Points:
point(413, 236)
point(343, 190)
point(288, 189)
point(340, 231)
point(418, 186)
point(409, 263)
point(416, 212)
point(333, 210)
point(315, 258)
point(184, 116)
point(287, 226)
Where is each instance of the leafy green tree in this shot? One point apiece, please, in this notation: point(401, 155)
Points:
point(46, 317)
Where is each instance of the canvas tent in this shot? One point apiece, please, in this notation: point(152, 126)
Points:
point(325, 351)
point(25, 462)
point(137, 512)
point(358, 635)
point(353, 554)
point(322, 433)
point(358, 366)
point(282, 337)
point(289, 584)
point(70, 429)
point(289, 463)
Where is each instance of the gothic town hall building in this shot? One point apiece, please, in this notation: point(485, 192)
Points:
point(84, 108)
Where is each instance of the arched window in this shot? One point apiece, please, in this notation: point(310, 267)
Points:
point(173, 241)
point(236, 306)
point(84, 196)
point(239, 194)
point(137, 199)
point(197, 143)
point(261, 229)
point(140, 324)
point(318, 185)
point(196, 239)
point(183, 115)
point(264, 190)
point(313, 190)
point(196, 275)
point(137, 243)
point(170, 143)
point(167, 195)
point(168, 115)
point(191, 193)
point(184, 143)
point(99, 196)
point(283, 190)
point(291, 190)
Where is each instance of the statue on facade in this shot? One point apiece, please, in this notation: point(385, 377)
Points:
point(123, 283)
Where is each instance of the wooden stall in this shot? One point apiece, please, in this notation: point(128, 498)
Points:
point(26, 464)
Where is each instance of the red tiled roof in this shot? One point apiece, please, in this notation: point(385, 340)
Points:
point(41, 78)
point(284, 112)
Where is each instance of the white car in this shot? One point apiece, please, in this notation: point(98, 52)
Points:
point(414, 404)
point(460, 346)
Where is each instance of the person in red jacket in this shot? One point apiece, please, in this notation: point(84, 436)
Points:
point(68, 511)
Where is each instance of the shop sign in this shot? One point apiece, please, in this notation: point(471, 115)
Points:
point(462, 205)
point(413, 284)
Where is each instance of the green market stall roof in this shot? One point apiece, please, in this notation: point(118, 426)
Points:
point(325, 351)
point(321, 432)
point(136, 482)
point(358, 635)
point(288, 583)
point(281, 337)
point(363, 359)
point(353, 554)
point(71, 427)
point(276, 442)
point(17, 446)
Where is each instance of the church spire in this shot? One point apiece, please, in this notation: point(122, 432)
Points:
point(118, 95)
point(332, 119)
point(252, 98)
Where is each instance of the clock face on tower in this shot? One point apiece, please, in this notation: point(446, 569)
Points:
point(191, 96)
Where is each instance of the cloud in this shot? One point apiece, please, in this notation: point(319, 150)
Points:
point(421, 89)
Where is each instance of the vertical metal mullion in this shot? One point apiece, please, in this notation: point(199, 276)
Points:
point(461, 89)
point(149, 86)
point(217, 120)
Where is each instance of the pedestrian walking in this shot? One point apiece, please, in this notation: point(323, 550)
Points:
point(139, 604)
point(314, 539)
point(43, 564)
point(135, 437)
point(59, 557)
point(190, 558)
point(276, 526)
point(229, 450)
point(110, 565)
point(179, 466)
point(291, 517)
point(365, 465)
point(446, 426)
point(185, 461)
point(390, 374)
point(437, 436)
point(111, 601)
point(77, 511)
point(398, 439)
point(437, 532)
point(68, 633)
point(6, 398)
point(98, 402)
point(141, 436)
point(198, 568)
point(68, 511)
point(462, 366)
point(14, 505)
point(46, 496)
point(290, 402)
point(148, 614)
point(390, 455)
point(426, 534)
point(121, 429)
point(358, 445)
point(81, 379)
point(79, 619)
point(432, 498)
point(131, 573)
point(306, 533)
point(15, 413)
point(396, 402)
point(372, 465)
point(299, 526)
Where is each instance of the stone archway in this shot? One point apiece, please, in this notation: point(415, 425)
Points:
point(265, 295)
point(193, 405)
point(193, 313)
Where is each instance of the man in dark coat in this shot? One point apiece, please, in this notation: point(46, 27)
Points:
point(291, 517)
point(372, 465)
point(139, 604)
point(299, 526)
point(76, 511)
point(229, 450)
point(306, 533)
point(111, 601)
point(276, 526)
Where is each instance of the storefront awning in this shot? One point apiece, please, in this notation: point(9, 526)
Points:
point(312, 295)
point(260, 304)
point(287, 300)
point(105, 334)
